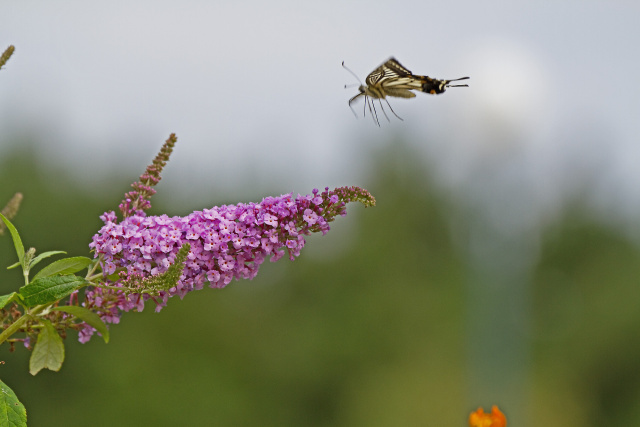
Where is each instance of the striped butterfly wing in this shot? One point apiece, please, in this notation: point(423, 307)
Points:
point(393, 79)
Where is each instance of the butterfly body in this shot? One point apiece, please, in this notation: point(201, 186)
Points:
point(394, 80)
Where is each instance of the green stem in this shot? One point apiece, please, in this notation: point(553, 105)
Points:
point(15, 326)
point(94, 268)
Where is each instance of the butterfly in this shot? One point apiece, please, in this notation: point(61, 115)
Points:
point(393, 79)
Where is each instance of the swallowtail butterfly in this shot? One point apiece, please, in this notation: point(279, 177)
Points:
point(393, 79)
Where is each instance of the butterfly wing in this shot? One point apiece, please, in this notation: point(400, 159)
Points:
point(393, 64)
point(399, 92)
point(374, 77)
point(393, 79)
point(388, 71)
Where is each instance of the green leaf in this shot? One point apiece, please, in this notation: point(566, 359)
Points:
point(43, 256)
point(48, 351)
point(63, 266)
point(6, 299)
point(50, 289)
point(12, 412)
point(114, 277)
point(17, 242)
point(17, 264)
point(88, 316)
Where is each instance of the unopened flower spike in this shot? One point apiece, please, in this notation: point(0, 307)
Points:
point(226, 242)
point(481, 419)
point(10, 210)
point(6, 55)
point(138, 199)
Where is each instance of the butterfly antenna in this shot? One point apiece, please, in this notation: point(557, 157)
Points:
point(354, 74)
point(394, 113)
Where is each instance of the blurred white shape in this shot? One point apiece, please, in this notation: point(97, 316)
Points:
point(511, 84)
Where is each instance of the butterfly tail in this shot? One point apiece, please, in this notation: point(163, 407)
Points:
point(436, 86)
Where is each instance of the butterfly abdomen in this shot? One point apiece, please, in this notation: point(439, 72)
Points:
point(432, 86)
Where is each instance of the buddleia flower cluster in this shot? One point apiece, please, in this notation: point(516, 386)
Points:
point(225, 243)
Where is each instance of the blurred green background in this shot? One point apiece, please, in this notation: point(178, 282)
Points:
point(414, 313)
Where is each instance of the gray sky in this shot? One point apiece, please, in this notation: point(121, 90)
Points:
point(254, 90)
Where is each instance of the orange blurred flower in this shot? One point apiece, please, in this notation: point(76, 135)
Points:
point(494, 419)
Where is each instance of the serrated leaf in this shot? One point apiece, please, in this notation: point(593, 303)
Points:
point(6, 299)
point(48, 351)
point(17, 242)
point(12, 412)
point(50, 289)
point(88, 316)
point(63, 266)
point(43, 256)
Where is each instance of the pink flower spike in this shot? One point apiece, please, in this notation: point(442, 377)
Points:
point(226, 242)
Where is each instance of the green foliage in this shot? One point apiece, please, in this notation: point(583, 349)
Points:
point(63, 266)
point(12, 412)
point(50, 289)
point(48, 351)
point(17, 242)
point(6, 299)
point(87, 316)
point(50, 285)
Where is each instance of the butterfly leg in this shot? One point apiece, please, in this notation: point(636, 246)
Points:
point(385, 113)
point(394, 113)
point(364, 109)
point(375, 113)
point(354, 111)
